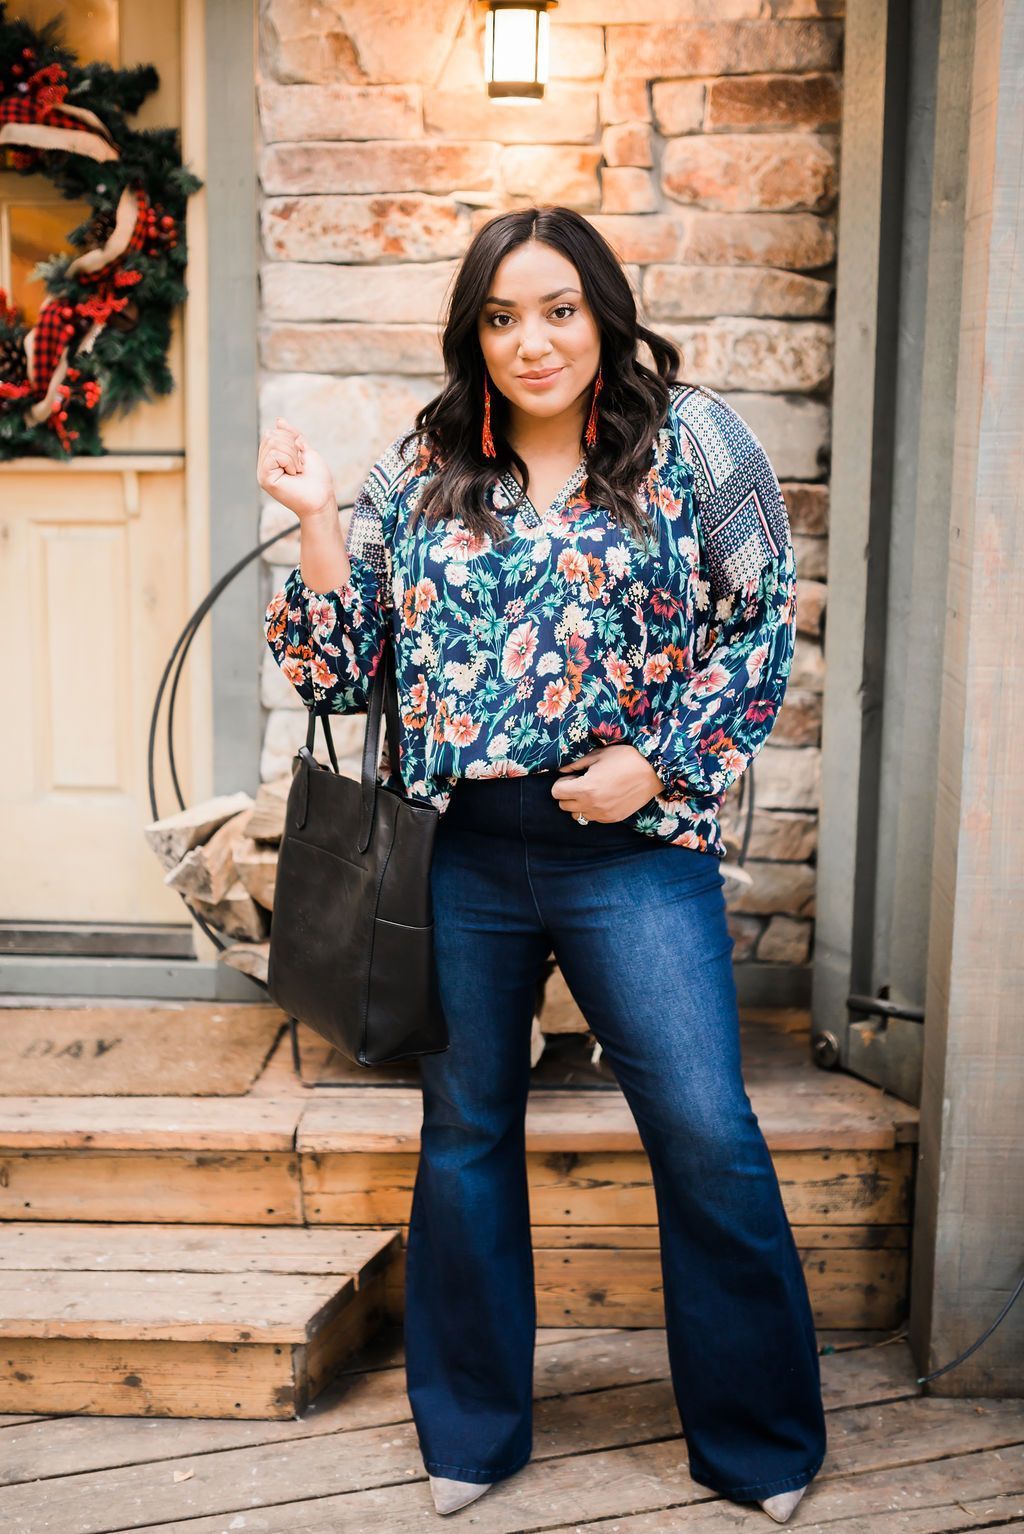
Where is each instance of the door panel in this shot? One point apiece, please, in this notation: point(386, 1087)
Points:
point(94, 580)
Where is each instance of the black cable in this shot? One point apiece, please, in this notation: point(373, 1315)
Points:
point(746, 791)
point(986, 1334)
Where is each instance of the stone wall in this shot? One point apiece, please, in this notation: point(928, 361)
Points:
point(700, 136)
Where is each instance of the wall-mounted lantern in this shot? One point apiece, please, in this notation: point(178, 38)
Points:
point(516, 47)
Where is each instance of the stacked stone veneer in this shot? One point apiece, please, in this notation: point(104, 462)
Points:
point(701, 138)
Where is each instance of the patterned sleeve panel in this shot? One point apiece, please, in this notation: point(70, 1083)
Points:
point(745, 636)
point(328, 644)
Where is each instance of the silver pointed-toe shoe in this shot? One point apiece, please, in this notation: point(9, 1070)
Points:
point(782, 1506)
point(450, 1495)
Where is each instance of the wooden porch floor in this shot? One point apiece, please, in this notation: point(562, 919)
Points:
point(608, 1457)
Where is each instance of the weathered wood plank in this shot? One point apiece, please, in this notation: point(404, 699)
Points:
point(195, 1249)
point(148, 1123)
point(970, 1491)
point(203, 1187)
point(848, 1287)
point(616, 1236)
point(169, 1307)
point(154, 1379)
point(612, 1187)
point(572, 1361)
point(168, 1051)
point(791, 1116)
point(364, 1480)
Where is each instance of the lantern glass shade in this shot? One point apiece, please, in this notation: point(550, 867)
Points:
point(516, 49)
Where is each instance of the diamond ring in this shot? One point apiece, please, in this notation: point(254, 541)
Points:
point(582, 820)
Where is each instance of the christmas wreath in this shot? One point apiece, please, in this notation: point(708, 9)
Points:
point(100, 342)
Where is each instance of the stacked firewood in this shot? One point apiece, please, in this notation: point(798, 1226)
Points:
point(221, 857)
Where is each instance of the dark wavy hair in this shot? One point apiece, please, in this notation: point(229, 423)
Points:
point(632, 406)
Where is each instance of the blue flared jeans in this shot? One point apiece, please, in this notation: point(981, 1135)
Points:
point(639, 930)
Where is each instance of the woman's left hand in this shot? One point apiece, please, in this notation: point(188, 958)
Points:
point(615, 781)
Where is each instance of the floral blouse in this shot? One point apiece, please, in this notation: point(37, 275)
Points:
point(515, 657)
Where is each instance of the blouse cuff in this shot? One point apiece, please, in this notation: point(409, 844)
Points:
point(658, 742)
point(351, 601)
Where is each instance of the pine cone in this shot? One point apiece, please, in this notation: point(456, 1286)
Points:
point(13, 367)
point(126, 318)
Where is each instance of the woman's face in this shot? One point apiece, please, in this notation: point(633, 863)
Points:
point(539, 339)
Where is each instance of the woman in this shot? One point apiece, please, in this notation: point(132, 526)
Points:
point(589, 577)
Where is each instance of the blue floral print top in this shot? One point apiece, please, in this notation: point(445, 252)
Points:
point(518, 656)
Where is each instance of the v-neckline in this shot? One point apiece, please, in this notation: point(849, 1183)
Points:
point(516, 494)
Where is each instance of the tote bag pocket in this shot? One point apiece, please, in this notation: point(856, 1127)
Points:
point(351, 936)
point(314, 975)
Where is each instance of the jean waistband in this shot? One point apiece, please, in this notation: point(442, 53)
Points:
point(526, 807)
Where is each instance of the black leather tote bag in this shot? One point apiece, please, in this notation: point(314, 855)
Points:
point(351, 936)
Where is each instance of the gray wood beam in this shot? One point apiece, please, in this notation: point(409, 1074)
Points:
point(233, 232)
point(969, 1217)
point(864, 400)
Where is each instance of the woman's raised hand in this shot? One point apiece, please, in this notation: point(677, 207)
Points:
point(294, 473)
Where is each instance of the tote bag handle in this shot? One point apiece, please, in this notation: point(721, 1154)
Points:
point(383, 702)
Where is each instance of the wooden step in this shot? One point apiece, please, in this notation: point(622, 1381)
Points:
point(843, 1150)
point(210, 1322)
point(138, 1049)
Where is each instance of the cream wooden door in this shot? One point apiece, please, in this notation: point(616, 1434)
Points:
point(94, 584)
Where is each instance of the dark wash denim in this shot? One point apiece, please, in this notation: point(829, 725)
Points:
point(639, 931)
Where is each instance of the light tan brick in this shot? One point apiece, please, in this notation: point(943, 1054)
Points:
point(745, 932)
point(641, 237)
point(565, 115)
point(559, 173)
point(351, 348)
point(285, 732)
point(788, 778)
point(576, 53)
point(785, 940)
point(776, 835)
point(620, 12)
point(810, 605)
point(401, 293)
point(808, 670)
point(799, 723)
point(775, 887)
point(625, 100)
point(628, 144)
point(678, 106)
point(811, 556)
point(627, 189)
point(378, 42)
point(756, 353)
point(296, 112)
point(722, 48)
point(808, 507)
point(693, 292)
point(379, 166)
point(758, 173)
point(793, 430)
point(798, 240)
point(756, 102)
point(350, 420)
point(402, 228)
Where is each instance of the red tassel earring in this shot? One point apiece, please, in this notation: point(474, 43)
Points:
point(591, 433)
point(487, 440)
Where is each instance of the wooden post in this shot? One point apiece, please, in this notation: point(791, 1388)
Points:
point(968, 1251)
